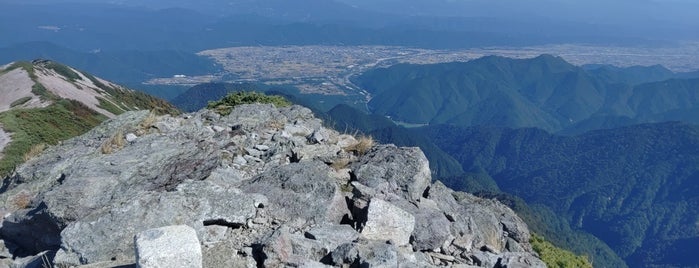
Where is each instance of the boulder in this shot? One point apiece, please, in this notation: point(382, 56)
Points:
point(404, 171)
point(387, 222)
point(330, 236)
point(302, 190)
point(284, 248)
point(170, 246)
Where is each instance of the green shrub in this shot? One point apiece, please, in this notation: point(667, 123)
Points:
point(226, 104)
point(59, 121)
point(20, 102)
point(556, 257)
point(43, 93)
point(63, 70)
point(110, 107)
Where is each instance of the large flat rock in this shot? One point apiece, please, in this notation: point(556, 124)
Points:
point(170, 246)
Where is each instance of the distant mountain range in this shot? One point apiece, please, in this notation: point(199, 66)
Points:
point(44, 102)
point(544, 92)
point(186, 26)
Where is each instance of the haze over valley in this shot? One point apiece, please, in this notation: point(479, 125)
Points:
point(580, 116)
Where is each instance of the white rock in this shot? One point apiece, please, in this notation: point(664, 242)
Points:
point(345, 140)
point(130, 137)
point(286, 134)
point(388, 222)
point(218, 128)
point(298, 130)
point(170, 246)
point(262, 147)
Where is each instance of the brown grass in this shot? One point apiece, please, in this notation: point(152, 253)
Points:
point(147, 123)
point(340, 163)
point(276, 124)
point(114, 143)
point(35, 150)
point(362, 146)
point(21, 200)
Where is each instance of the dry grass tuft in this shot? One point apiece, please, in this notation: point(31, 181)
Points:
point(340, 163)
point(21, 200)
point(276, 124)
point(35, 150)
point(115, 142)
point(362, 146)
point(147, 123)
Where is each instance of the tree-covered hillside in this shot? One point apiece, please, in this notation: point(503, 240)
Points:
point(544, 92)
point(633, 187)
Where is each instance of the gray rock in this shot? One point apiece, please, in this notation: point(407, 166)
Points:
point(404, 171)
point(262, 147)
point(298, 190)
point(253, 152)
point(224, 255)
point(319, 152)
point(477, 222)
point(331, 236)
point(214, 234)
point(345, 254)
point(195, 204)
point(284, 204)
point(322, 135)
point(284, 248)
point(109, 264)
point(171, 246)
point(4, 251)
point(387, 222)
point(218, 128)
point(379, 255)
point(519, 260)
point(345, 140)
point(484, 259)
point(366, 254)
point(239, 160)
point(298, 130)
point(431, 230)
point(314, 264)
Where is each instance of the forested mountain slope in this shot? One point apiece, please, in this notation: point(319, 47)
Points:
point(545, 92)
point(633, 187)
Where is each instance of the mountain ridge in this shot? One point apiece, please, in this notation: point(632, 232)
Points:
point(544, 92)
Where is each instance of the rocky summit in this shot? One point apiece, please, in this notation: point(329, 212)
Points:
point(260, 187)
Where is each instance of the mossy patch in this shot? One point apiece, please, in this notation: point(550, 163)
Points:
point(226, 104)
